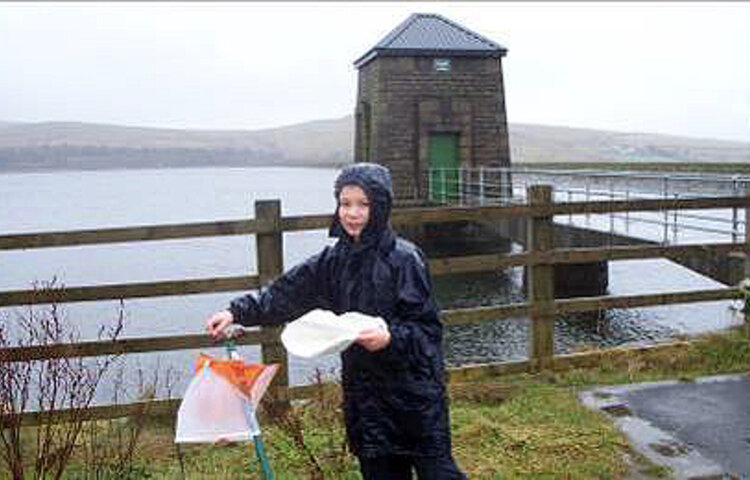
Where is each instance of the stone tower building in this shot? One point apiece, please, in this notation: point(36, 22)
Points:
point(430, 96)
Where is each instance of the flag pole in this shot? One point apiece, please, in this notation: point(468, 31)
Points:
point(257, 438)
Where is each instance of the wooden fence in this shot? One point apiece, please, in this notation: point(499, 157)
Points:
point(268, 226)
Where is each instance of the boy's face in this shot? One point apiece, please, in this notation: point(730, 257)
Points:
point(354, 210)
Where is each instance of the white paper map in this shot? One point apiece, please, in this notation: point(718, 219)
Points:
point(322, 332)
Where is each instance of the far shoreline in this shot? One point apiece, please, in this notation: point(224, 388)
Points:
point(733, 168)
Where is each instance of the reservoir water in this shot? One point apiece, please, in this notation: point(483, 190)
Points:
point(72, 200)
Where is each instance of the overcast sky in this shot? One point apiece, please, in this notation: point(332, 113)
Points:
point(679, 68)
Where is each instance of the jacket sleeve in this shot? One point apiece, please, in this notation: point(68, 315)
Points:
point(291, 295)
point(416, 330)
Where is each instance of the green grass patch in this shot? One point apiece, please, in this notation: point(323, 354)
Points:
point(542, 432)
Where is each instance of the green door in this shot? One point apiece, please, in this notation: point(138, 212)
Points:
point(444, 164)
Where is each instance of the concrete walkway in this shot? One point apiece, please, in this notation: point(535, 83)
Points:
point(700, 430)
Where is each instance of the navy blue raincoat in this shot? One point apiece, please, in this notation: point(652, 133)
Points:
point(394, 399)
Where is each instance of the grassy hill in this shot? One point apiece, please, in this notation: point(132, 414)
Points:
point(72, 145)
point(549, 144)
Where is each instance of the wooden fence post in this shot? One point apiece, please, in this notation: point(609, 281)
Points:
point(270, 262)
point(541, 282)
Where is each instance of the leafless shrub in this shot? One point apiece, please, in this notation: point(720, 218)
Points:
point(56, 391)
point(316, 429)
point(109, 446)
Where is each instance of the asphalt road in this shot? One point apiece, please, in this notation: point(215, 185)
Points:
point(698, 429)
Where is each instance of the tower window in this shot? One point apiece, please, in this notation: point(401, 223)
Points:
point(441, 64)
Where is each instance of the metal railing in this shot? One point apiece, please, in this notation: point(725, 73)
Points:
point(478, 186)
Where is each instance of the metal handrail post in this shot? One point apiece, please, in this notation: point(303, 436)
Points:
point(570, 199)
point(443, 186)
point(675, 220)
point(588, 195)
point(430, 190)
point(664, 193)
point(611, 214)
point(735, 223)
point(627, 199)
point(481, 186)
point(461, 199)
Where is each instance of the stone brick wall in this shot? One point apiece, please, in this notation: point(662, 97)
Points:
point(407, 100)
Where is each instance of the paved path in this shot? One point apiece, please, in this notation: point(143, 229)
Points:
point(699, 429)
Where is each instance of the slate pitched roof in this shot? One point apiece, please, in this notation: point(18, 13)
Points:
point(429, 34)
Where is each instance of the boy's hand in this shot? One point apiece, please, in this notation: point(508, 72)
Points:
point(374, 339)
point(217, 324)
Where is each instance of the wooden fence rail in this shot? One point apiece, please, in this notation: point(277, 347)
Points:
point(268, 226)
point(407, 216)
point(443, 266)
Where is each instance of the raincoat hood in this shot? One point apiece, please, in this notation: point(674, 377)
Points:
point(375, 181)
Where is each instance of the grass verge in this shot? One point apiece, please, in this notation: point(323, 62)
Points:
point(527, 426)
